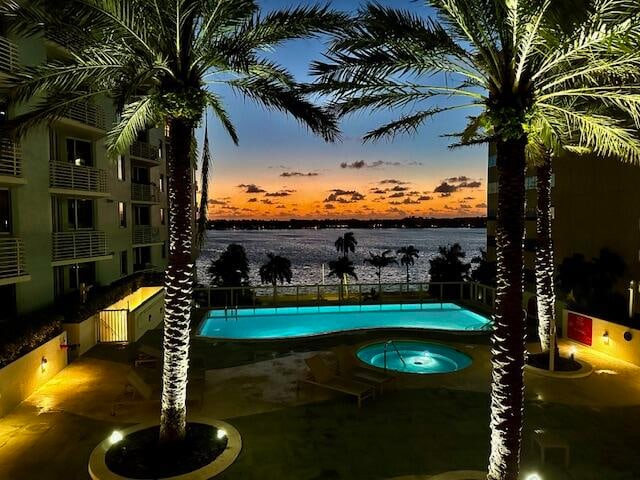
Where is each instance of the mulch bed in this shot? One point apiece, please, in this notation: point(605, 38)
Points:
point(140, 455)
point(562, 364)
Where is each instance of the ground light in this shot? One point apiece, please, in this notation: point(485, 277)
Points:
point(221, 433)
point(533, 476)
point(116, 436)
point(572, 353)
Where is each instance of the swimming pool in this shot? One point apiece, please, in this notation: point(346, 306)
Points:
point(413, 356)
point(295, 322)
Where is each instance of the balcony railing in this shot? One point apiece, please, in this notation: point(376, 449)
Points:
point(141, 192)
point(12, 263)
point(8, 55)
point(87, 113)
point(10, 159)
point(144, 150)
point(143, 234)
point(68, 176)
point(79, 244)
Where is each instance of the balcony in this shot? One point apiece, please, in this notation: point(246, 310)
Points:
point(10, 163)
point(145, 193)
point(74, 246)
point(145, 152)
point(67, 178)
point(146, 235)
point(87, 114)
point(12, 261)
point(8, 55)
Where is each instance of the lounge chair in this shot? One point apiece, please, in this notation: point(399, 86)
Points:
point(348, 367)
point(323, 376)
point(148, 354)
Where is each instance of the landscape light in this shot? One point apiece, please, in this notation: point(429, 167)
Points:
point(221, 433)
point(534, 476)
point(605, 338)
point(572, 352)
point(115, 437)
point(43, 363)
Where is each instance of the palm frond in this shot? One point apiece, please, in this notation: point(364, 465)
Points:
point(136, 117)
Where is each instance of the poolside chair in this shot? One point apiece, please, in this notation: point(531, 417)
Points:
point(323, 376)
point(147, 354)
point(348, 367)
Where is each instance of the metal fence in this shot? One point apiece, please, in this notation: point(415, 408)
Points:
point(479, 295)
point(112, 326)
point(8, 55)
point(10, 158)
point(68, 176)
point(12, 257)
point(144, 150)
point(143, 192)
point(79, 244)
point(87, 113)
point(145, 234)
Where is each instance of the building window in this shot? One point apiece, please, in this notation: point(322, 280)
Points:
point(121, 169)
point(122, 214)
point(84, 273)
point(531, 183)
point(162, 216)
point(79, 152)
point(80, 214)
point(142, 215)
point(5, 211)
point(124, 263)
point(161, 183)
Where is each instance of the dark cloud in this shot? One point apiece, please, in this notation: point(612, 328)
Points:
point(469, 198)
point(474, 184)
point(392, 181)
point(443, 195)
point(281, 206)
point(357, 165)
point(338, 195)
point(414, 192)
point(378, 163)
point(481, 205)
point(213, 201)
point(397, 195)
point(329, 206)
point(445, 187)
point(252, 200)
point(281, 193)
point(299, 174)
point(266, 201)
point(424, 198)
point(377, 191)
point(460, 179)
point(464, 206)
point(398, 188)
point(251, 188)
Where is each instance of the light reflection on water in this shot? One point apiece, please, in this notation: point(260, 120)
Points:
point(309, 249)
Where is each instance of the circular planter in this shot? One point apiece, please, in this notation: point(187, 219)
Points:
point(585, 370)
point(461, 475)
point(98, 469)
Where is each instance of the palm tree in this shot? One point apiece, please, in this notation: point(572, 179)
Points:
point(408, 257)
point(341, 268)
point(231, 268)
point(488, 56)
point(448, 266)
point(380, 261)
point(275, 269)
point(346, 243)
point(161, 62)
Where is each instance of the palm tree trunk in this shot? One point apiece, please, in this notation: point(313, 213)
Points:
point(178, 283)
point(545, 292)
point(407, 274)
point(508, 338)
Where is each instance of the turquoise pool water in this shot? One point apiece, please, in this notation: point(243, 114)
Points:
point(414, 357)
point(294, 322)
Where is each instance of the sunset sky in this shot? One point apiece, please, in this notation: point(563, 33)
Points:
point(282, 171)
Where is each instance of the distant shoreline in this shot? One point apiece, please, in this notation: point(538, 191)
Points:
point(411, 222)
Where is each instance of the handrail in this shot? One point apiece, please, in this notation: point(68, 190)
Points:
point(386, 344)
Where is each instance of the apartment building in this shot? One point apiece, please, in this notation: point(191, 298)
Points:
point(596, 204)
point(71, 214)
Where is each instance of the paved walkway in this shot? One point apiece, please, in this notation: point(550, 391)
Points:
point(50, 435)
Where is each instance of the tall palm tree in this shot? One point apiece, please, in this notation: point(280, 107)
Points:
point(276, 269)
point(380, 261)
point(408, 257)
point(342, 268)
point(162, 62)
point(485, 54)
point(346, 243)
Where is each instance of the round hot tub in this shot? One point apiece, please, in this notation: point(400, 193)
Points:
point(413, 356)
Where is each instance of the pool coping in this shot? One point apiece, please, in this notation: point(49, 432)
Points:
point(364, 364)
point(364, 330)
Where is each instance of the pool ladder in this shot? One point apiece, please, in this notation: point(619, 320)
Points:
point(395, 347)
point(231, 312)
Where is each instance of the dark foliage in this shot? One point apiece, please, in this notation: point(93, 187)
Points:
point(448, 265)
point(484, 271)
point(231, 268)
point(276, 269)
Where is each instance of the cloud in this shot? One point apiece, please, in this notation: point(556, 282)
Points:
point(424, 198)
point(329, 206)
point(266, 201)
point(398, 188)
point(469, 198)
point(213, 201)
point(378, 191)
point(481, 205)
point(281, 193)
point(474, 184)
point(445, 187)
point(252, 200)
point(338, 195)
point(392, 181)
point(460, 179)
point(397, 195)
point(281, 206)
point(299, 174)
point(251, 188)
point(444, 195)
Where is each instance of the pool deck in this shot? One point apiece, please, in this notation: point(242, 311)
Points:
point(51, 434)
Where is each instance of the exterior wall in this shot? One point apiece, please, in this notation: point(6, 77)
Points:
point(32, 201)
point(613, 343)
point(147, 317)
point(596, 205)
point(21, 378)
point(82, 334)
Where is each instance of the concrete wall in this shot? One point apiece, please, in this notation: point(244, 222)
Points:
point(21, 378)
point(147, 317)
point(614, 343)
point(82, 334)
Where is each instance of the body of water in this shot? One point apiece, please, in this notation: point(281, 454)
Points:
point(309, 249)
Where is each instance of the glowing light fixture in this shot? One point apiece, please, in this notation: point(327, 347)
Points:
point(605, 338)
point(115, 437)
point(534, 476)
point(572, 352)
point(221, 433)
point(43, 363)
